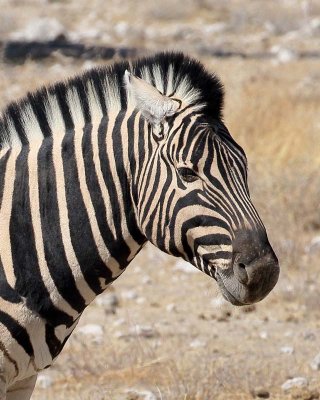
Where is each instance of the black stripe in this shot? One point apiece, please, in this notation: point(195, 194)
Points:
point(54, 344)
point(14, 115)
point(96, 195)
point(83, 97)
point(82, 239)
point(60, 90)
point(99, 84)
point(38, 102)
point(6, 291)
point(129, 214)
point(154, 184)
point(29, 283)
point(18, 332)
point(197, 221)
point(51, 231)
point(3, 166)
point(123, 255)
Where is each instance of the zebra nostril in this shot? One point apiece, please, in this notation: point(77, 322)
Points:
point(240, 272)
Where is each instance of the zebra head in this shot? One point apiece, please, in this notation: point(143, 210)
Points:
point(192, 197)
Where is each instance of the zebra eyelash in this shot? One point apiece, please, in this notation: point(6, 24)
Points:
point(187, 174)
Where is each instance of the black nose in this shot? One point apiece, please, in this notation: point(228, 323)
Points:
point(250, 268)
point(255, 264)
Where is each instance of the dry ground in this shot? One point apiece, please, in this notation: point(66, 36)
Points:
point(170, 335)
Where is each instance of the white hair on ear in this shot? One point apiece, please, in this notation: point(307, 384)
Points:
point(153, 105)
point(158, 78)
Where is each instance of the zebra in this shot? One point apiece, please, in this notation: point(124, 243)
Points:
point(92, 168)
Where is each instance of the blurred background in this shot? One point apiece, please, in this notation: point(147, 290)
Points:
point(163, 331)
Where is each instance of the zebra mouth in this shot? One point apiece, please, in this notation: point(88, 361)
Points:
point(225, 292)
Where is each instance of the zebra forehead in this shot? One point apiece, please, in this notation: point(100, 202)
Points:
point(101, 90)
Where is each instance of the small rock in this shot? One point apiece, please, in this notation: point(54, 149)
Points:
point(264, 335)
point(108, 301)
point(298, 382)
point(283, 54)
point(196, 343)
point(314, 245)
point(137, 394)
point(260, 393)
point(171, 307)
point(214, 28)
point(287, 350)
point(119, 322)
point(129, 294)
point(141, 300)
point(44, 381)
point(91, 329)
point(41, 29)
point(309, 336)
point(143, 330)
point(146, 280)
point(94, 331)
point(315, 363)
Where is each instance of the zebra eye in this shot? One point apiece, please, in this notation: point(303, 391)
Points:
point(187, 174)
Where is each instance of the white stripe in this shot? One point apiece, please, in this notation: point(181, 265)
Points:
point(30, 123)
point(5, 216)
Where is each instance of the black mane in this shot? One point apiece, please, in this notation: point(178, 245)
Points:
point(210, 92)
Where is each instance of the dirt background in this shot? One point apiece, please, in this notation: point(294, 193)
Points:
point(163, 331)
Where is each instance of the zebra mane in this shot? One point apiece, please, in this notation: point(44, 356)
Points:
point(51, 108)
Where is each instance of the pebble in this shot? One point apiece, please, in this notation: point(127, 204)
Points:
point(119, 321)
point(146, 280)
point(143, 330)
point(298, 382)
point(129, 294)
point(171, 307)
point(263, 335)
point(141, 300)
point(196, 343)
point(314, 245)
point(40, 29)
point(138, 394)
point(287, 350)
point(315, 363)
point(283, 54)
point(44, 381)
point(309, 336)
point(108, 301)
point(94, 331)
point(260, 393)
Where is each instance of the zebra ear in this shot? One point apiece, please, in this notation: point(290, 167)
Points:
point(154, 106)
